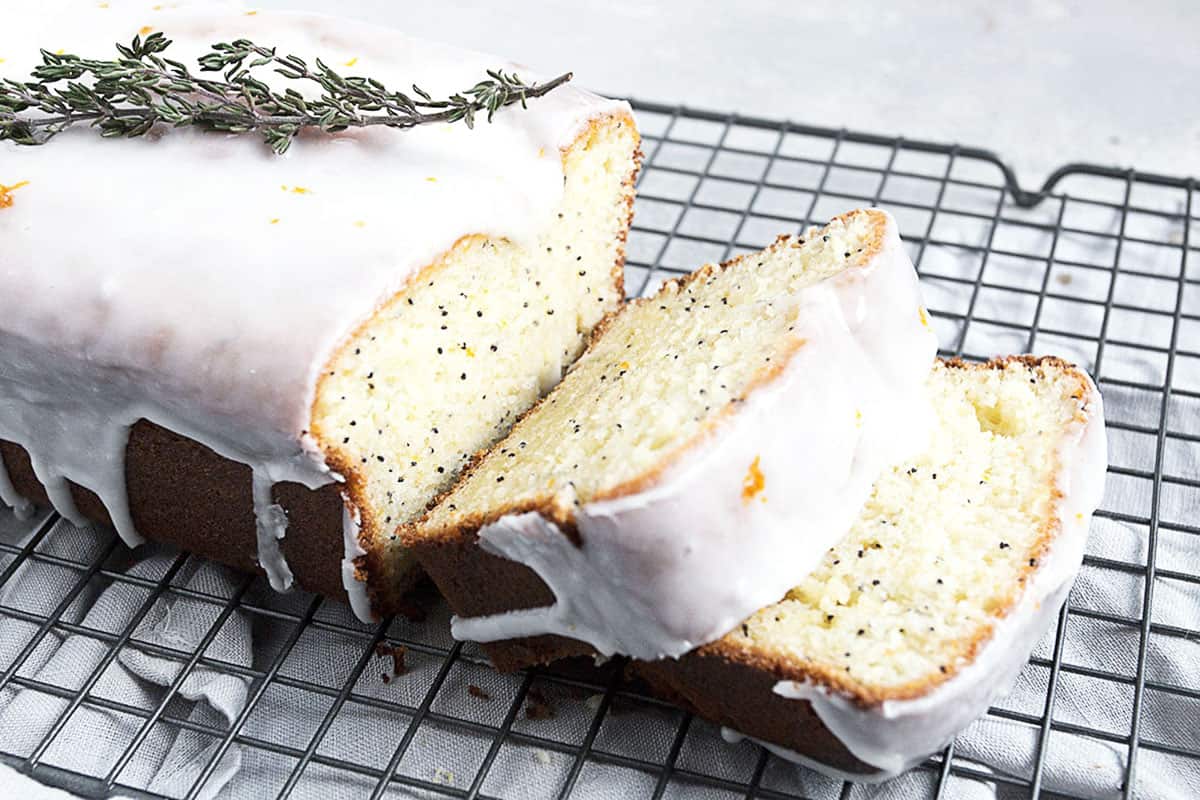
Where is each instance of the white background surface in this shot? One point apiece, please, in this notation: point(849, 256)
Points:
point(1042, 82)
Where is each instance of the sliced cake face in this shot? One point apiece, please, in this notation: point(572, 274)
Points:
point(447, 366)
point(946, 543)
point(656, 492)
point(664, 371)
point(926, 612)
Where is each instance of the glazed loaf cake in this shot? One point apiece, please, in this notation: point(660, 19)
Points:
point(274, 361)
point(708, 447)
point(915, 622)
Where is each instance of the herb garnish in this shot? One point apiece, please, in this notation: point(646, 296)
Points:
point(129, 95)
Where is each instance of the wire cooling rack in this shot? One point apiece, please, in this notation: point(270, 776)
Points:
point(1094, 266)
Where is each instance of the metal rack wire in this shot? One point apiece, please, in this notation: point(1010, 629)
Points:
point(713, 185)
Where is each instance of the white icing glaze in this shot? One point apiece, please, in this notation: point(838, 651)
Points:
point(10, 497)
point(200, 282)
point(270, 523)
point(898, 734)
point(732, 736)
point(356, 590)
point(667, 569)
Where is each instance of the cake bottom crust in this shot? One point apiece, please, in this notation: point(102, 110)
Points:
point(183, 494)
point(742, 697)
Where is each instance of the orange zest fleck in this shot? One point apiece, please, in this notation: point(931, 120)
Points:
point(431, 179)
point(754, 483)
point(6, 200)
point(470, 353)
point(295, 189)
point(358, 223)
point(924, 316)
point(146, 29)
point(351, 62)
point(251, 13)
point(624, 365)
point(274, 220)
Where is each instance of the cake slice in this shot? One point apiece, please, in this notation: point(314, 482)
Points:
point(273, 361)
point(708, 447)
point(924, 614)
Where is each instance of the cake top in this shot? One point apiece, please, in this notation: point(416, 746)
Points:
point(198, 276)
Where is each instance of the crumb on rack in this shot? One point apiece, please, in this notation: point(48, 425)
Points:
point(397, 653)
point(538, 707)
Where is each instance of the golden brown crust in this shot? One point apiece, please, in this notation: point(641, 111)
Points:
point(742, 697)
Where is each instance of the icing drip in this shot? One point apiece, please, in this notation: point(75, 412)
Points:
point(356, 590)
point(47, 418)
point(11, 498)
point(270, 522)
point(898, 734)
point(654, 574)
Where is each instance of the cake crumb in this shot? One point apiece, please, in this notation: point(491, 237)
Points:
point(397, 652)
point(478, 691)
point(538, 707)
point(443, 776)
point(541, 756)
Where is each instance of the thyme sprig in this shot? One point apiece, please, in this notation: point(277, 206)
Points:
point(129, 95)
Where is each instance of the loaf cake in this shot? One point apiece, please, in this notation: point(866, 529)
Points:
point(914, 623)
point(711, 443)
point(273, 361)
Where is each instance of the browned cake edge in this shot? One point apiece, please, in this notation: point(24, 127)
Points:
point(184, 494)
